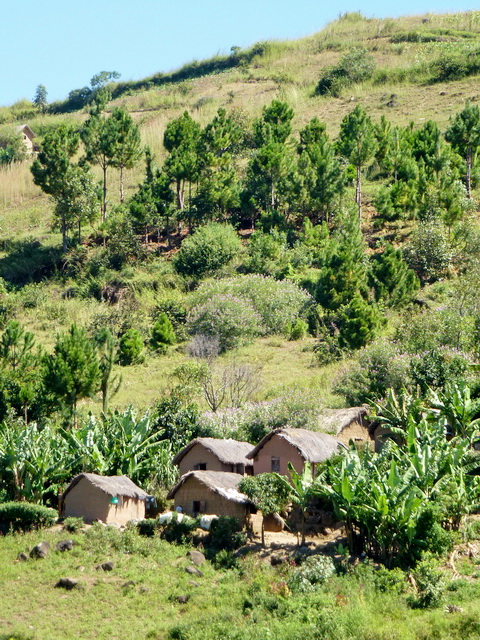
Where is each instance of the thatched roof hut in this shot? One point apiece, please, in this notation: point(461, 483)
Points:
point(347, 424)
point(27, 136)
point(111, 499)
point(214, 454)
point(210, 492)
point(297, 446)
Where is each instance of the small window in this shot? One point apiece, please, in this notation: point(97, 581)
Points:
point(275, 465)
point(199, 506)
point(200, 466)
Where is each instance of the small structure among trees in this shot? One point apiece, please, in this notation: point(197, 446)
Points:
point(347, 424)
point(213, 454)
point(297, 446)
point(27, 136)
point(114, 499)
point(211, 492)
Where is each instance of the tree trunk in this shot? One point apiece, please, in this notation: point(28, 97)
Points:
point(64, 234)
point(358, 192)
point(263, 530)
point(122, 195)
point(469, 172)
point(104, 204)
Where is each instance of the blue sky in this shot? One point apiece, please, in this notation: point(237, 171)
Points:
point(62, 44)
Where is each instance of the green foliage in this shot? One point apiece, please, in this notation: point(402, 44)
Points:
point(179, 531)
point(73, 371)
point(208, 249)
point(429, 253)
point(225, 535)
point(72, 524)
point(162, 333)
point(430, 584)
point(22, 516)
point(394, 282)
point(269, 492)
point(178, 422)
point(299, 330)
point(311, 574)
point(357, 65)
point(278, 303)
point(131, 348)
point(230, 320)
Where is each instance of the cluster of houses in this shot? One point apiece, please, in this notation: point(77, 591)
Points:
point(211, 470)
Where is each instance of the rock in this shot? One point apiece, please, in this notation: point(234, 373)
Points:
point(129, 585)
point(328, 531)
point(22, 557)
point(105, 566)
point(192, 583)
point(143, 590)
point(64, 545)
point(196, 557)
point(193, 571)
point(40, 550)
point(81, 568)
point(183, 599)
point(66, 583)
point(274, 523)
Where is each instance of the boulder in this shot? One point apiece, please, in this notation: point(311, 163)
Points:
point(196, 557)
point(274, 523)
point(22, 557)
point(193, 571)
point(105, 566)
point(64, 545)
point(66, 583)
point(40, 550)
point(183, 599)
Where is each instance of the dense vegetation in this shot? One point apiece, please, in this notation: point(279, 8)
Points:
point(259, 261)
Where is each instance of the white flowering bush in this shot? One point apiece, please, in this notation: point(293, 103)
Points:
point(279, 303)
point(314, 571)
point(233, 321)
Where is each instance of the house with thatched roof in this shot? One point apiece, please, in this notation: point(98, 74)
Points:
point(111, 499)
point(27, 135)
point(215, 454)
point(347, 424)
point(297, 446)
point(211, 492)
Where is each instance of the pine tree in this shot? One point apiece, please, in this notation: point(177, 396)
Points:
point(358, 144)
point(72, 372)
point(128, 149)
point(464, 136)
point(163, 334)
point(393, 281)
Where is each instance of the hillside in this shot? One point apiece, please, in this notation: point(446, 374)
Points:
point(408, 85)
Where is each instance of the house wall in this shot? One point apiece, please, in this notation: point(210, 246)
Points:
point(198, 453)
point(354, 431)
point(90, 503)
point(277, 447)
point(193, 490)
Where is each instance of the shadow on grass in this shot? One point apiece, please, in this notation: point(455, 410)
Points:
point(28, 261)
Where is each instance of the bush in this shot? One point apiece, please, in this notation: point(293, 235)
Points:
point(147, 527)
point(232, 320)
point(179, 532)
point(279, 303)
point(436, 367)
point(225, 560)
point(23, 516)
point(162, 333)
point(208, 249)
point(357, 65)
point(72, 525)
point(430, 585)
point(225, 534)
point(429, 253)
point(380, 366)
point(314, 570)
point(298, 331)
point(131, 348)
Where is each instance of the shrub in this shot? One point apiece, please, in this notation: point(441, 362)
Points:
point(225, 560)
point(314, 571)
point(179, 532)
point(225, 534)
point(131, 348)
point(279, 303)
point(208, 249)
point(380, 366)
point(429, 253)
point(437, 366)
point(357, 65)
point(162, 333)
point(23, 516)
point(430, 585)
point(72, 525)
point(390, 580)
point(230, 319)
point(176, 313)
point(298, 331)
point(147, 527)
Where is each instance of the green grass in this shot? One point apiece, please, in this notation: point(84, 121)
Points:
point(138, 600)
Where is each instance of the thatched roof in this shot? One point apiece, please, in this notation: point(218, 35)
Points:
point(227, 451)
point(26, 129)
point(336, 420)
point(313, 446)
point(221, 482)
point(111, 485)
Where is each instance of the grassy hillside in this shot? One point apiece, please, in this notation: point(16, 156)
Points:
point(407, 86)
